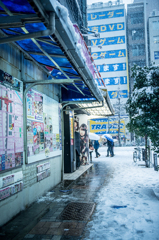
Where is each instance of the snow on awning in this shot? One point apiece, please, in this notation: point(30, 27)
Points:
point(63, 52)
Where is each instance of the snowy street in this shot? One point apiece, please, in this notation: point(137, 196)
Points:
point(125, 198)
point(128, 203)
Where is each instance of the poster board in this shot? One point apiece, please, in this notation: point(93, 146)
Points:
point(11, 122)
point(43, 127)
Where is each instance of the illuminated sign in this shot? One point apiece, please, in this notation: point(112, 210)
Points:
point(109, 54)
point(112, 67)
point(108, 41)
point(117, 94)
point(105, 14)
point(107, 27)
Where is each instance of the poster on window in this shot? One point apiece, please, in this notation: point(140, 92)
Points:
point(42, 126)
point(11, 120)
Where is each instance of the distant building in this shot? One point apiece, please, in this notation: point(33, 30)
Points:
point(136, 38)
point(154, 39)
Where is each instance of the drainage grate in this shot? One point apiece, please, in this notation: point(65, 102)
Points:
point(77, 211)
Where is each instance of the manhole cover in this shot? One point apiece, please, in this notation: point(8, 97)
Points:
point(77, 211)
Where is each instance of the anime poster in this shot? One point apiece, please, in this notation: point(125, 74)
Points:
point(18, 159)
point(81, 128)
point(48, 132)
point(84, 144)
point(11, 120)
point(34, 105)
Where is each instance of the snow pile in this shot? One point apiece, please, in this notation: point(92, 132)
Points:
point(64, 16)
point(48, 197)
point(133, 189)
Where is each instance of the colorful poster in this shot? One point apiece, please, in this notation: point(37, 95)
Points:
point(34, 105)
point(42, 126)
point(11, 120)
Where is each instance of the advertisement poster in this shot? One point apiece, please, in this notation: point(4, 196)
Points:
point(34, 105)
point(42, 126)
point(11, 120)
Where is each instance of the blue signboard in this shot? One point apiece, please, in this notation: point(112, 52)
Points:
point(156, 55)
point(117, 94)
point(105, 14)
point(108, 41)
point(112, 67)
point(115, 80)
point(107, 27)
point(109, 54)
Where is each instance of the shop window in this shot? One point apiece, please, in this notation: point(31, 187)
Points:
point(138, 50)
point(137, 34)
point(137, 18)
point(156, 40)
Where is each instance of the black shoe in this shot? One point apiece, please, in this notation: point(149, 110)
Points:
point(107, 156)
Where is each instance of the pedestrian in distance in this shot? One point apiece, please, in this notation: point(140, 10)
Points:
point(110, 148)
point(91, 148)
point(96, 146)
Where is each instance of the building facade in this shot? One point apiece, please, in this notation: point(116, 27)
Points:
point(154, 39)
point(136, 42)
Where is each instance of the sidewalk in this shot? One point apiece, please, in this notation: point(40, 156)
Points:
point(42, 219)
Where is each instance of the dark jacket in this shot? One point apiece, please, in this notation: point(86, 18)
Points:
point(96, 144)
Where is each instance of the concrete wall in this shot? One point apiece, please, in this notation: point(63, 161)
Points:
point(13, 61)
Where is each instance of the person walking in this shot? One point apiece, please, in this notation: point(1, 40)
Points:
point(96, 146)
point(109, 150)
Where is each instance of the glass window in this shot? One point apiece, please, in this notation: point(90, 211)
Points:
point(139, 63)
point(155, 25)
point(137, 18)
point(156, 40)
point(138, 50)
point(137, 34)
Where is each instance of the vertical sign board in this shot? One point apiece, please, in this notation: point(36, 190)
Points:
point(42, 126)
point(113, 47)
point(11, 121)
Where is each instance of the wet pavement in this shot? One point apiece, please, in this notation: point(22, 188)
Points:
point(42, 219)
point(101, 204)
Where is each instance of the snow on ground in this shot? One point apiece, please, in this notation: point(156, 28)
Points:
point(127, 207)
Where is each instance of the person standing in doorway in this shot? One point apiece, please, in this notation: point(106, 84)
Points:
point(96, 146)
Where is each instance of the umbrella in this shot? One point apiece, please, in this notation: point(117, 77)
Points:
point(93, 136)
point(108, 136)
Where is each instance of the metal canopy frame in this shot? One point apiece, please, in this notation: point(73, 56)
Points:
point(53, 33)
point(34, 37)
